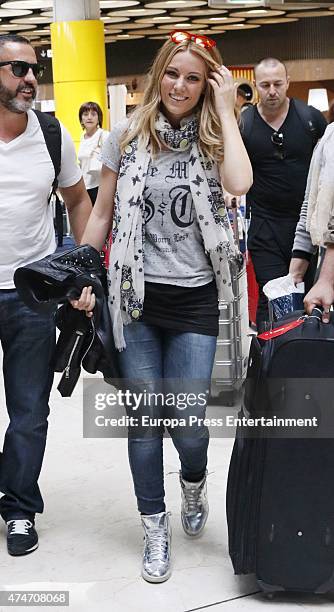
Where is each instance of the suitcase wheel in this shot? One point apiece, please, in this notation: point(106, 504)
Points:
point(227, 398)
point(270, 596)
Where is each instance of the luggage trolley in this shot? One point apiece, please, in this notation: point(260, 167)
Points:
point(230, 365)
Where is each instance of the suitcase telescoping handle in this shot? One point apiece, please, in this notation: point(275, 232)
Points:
point(240, 261)
point(317, 312)
point(234, 210)
point(316, 315)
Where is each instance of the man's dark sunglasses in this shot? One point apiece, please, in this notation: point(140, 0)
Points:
point(277, 138)
point(20, 69)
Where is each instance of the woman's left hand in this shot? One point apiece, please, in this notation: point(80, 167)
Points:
point(86, 301)
point(224, 89)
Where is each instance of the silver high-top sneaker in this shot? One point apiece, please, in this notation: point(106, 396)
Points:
point(194, 507)
point(157, 547)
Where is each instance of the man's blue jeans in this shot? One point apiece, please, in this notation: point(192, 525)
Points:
point(28, 343)
point(153, 354)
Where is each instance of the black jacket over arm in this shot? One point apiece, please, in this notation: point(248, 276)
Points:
point(83, 341)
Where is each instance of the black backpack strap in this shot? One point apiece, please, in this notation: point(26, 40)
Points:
point(246, 121)
point(305, 114)
point(51, 129)
point(59, 220)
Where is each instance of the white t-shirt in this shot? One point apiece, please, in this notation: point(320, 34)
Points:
point(26, 176)
point(91, 148)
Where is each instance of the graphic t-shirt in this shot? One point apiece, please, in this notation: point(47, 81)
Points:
point(180, 290)
point(174, 250)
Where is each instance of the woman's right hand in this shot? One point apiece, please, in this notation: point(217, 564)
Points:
point(298, 269)
point(224, 90)
point(86, 301)
point(321, 294)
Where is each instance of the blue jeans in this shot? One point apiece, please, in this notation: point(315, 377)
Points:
point(153, 354)
point(28, 343)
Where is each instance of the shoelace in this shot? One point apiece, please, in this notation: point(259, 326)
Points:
point(156, 545)
point(192, 495)
point(19, 526)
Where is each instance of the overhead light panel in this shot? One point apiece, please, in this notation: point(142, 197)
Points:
point(259, 12)
point(14, 12)
point(324, 13)
point(177, 4)
point(36, 19)
point(12, 27)
point(111, 4)
point(28, 4)
point(138, 12)
point(215, 4)
point(273, 20)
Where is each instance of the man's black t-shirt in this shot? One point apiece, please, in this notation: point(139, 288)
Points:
point(280, 171)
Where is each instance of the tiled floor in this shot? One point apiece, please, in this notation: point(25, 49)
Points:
point(91, 539)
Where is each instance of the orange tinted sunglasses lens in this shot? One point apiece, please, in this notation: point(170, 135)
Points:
point(179, 36)
point(203, 41)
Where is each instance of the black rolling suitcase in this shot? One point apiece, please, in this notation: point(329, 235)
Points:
point(280, 492)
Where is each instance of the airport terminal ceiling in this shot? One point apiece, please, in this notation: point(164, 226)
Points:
point(127, 20)
point(244, 32)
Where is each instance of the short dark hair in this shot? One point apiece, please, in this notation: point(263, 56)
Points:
point(13, 38)
point(94, 106)
point(270, 61)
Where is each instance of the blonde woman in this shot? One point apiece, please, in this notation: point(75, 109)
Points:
point(172, 246)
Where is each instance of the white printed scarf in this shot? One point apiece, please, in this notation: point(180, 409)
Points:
point(126, 265)
point(319, 191)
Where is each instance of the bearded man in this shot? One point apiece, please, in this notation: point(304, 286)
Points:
point(27, 234)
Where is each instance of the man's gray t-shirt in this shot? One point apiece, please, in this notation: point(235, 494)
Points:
point(174, 250)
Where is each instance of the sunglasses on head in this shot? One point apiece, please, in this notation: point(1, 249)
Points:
point(20, 69)
point(179, 36)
